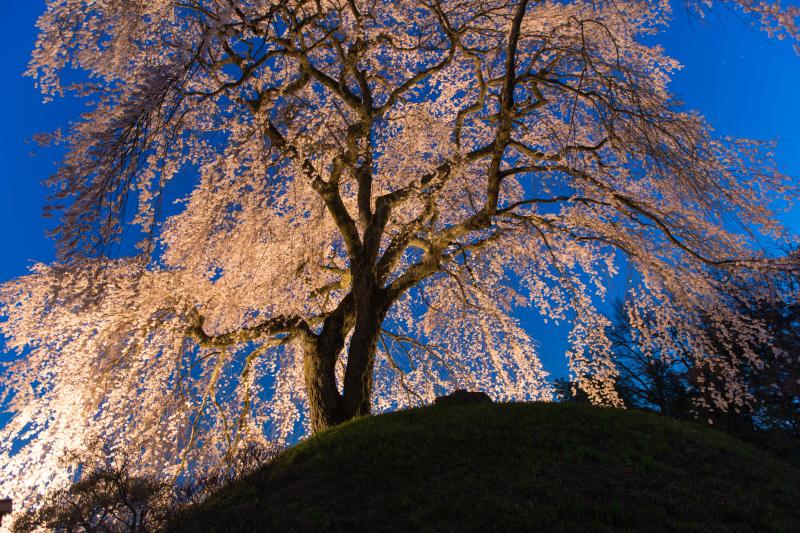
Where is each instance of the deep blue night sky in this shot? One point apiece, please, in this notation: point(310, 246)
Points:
point(745, 84)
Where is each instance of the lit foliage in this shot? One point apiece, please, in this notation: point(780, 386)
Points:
point(378, 187)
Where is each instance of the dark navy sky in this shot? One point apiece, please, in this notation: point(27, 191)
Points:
point(746, 84)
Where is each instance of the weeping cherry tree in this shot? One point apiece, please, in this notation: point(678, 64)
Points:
point(278, 215)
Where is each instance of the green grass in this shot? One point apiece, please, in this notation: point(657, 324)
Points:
point(512, 467)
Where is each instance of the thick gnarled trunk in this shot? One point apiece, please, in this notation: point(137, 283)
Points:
point(325, 405)
point(363, 314)
point(319, 367)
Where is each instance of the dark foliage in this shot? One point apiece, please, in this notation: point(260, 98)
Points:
point(568, 391)
point(248, 459)
point(461, 397)
point(670, 383)
point(109, 498)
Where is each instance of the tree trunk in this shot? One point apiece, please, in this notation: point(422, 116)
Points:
point(319, 368)
point(363, 311)
point(324, 401)
point(370, 303)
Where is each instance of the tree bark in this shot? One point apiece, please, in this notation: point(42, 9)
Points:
point(363, 314)
point(319, 368)
point(324, 401)
point(370, 312)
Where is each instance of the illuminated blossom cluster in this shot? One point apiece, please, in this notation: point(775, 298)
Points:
point(377, 191)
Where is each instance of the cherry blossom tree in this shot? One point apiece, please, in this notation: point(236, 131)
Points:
point(375, 190)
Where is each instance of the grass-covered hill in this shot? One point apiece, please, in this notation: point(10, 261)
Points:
point(512, 467)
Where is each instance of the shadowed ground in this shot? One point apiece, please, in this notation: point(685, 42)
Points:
point(500, 467)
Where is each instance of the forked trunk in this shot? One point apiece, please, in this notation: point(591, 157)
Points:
point(327, 407)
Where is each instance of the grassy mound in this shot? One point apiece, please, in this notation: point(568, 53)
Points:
point(505, 467)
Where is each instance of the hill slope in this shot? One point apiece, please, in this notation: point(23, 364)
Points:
point(512, 467)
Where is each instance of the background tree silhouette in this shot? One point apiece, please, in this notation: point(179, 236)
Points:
point(673, 382)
